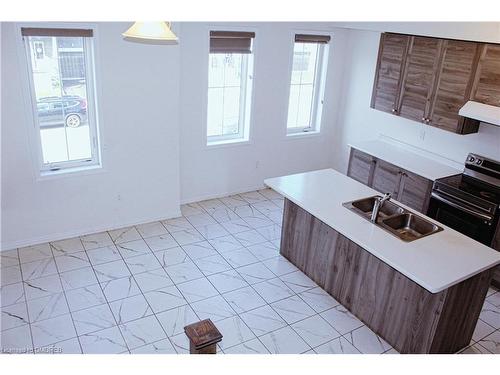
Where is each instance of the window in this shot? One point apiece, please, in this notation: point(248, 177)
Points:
point(230, 67)
point(60, 68)
point(307, 83)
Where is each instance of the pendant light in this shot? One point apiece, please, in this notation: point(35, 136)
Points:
point(152, 32)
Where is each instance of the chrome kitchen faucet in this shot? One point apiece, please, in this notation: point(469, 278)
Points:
point(378, 204)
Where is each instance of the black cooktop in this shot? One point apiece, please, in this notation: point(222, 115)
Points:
point(469, 186)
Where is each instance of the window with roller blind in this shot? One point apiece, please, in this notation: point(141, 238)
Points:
point(230, 69)
point(307, 83)
point(60, 65)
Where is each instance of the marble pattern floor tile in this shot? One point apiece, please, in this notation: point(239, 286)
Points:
point(174, 320)
point(214, 308)
point(250, 347)
point(273, 290)
point(106, 341)
point(199, 250)
point(104, 254)
point(227, 281)
point(96, 241)
point(284, 341)
point(151, 229)
point(337, 346)
point(159, 347)
point(197, 290)
point(39, 268)
point(78, 278)
point(244, 299)
point(315, 331)
point(491, 342)
point(13, 316)
point(34, 253)
point(42, 287)
point(120, 288)
point(9, 258)
point(318, 299)
point(187, 236)
point(131, 308)
point(212, 264)
point(124, 235)
point(17, 340)
point(263, 320)
point(50, 331)
point(83, 298)
point(72, 261)
point(132, 290)
point(151, 280)
point(10, 275)
point(69, 246)
point(341, 319)
point(47, 307)
point(163, 242)
point(234, 331)
point(142, 263)
point(293, 309)
point(93, 319)
point(142, 331)
point(366, 341)
point(225, 244)
point(133, 248)
point(165, 299)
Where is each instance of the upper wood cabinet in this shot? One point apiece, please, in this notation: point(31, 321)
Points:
point(487, 84)
point(453, 85)
point(418, 78)
point(429, 79)
point(392, 59)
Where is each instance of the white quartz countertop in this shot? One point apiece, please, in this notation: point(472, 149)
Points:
point(435, 262)
point(407, 159)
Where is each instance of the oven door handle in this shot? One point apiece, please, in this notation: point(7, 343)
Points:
point(461, 208)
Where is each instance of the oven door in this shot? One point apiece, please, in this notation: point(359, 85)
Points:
point(464, 218)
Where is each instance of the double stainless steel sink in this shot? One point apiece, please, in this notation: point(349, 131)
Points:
point(393, 218)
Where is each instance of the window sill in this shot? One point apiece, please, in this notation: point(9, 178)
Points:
point(70, 172)
point(227, 143)
point(298, 135)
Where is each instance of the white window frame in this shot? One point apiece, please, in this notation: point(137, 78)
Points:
point(319, 86)
point(246, 96)
point(58, 168)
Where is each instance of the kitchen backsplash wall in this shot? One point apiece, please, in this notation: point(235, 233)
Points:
point(357, 121)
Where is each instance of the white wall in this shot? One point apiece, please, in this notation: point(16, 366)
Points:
point(357, 121)
point(140, 140)
point(208, 172)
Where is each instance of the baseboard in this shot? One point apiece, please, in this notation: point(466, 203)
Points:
point(83, 232)
point(221, 195)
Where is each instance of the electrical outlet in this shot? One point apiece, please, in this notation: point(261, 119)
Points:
point(257, 164)
point(119, 197)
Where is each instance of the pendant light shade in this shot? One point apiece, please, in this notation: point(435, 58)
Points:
point(151, 31)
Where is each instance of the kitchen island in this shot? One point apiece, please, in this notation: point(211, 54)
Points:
point(423, 296)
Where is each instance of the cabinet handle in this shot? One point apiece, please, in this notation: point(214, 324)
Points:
point(428, 120)
point(394, 110)
point(423, 119)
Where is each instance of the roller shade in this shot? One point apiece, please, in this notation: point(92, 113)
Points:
point(308, 38)
point(38, 31)
point(231, 42)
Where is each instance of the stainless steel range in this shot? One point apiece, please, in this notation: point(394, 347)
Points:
point(470, 202)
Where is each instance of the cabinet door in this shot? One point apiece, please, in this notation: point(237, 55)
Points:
point(414, 191)
point(419, 76)
point(454, 84)
point(386, 178)
point(487, 83)
point(360, 166)
point(389, 72)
